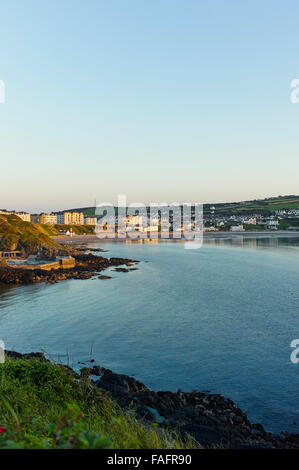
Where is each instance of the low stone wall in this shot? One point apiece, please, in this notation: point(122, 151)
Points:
point(68, 262)
point(65, 263)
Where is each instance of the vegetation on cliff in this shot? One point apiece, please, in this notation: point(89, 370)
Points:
point(45, 405)
point(58, 228)
point(15, 234)
point(77, 229)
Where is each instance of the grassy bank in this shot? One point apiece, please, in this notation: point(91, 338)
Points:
point(53, 230)
point(43, 405)
point(15, 234)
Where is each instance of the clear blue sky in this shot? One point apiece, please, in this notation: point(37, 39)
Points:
point(162, 100)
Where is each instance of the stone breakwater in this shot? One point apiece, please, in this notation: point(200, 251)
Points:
point(64, 263)
point(211, 419)
point(86, 266)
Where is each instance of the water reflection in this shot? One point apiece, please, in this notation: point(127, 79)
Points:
point(142, 241)
point(220, 318)
point(6, 293)
point(231, 241)
point(9, 294)
point(256, 243)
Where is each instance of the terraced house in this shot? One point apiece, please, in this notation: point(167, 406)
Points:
point(70, 218)
point(48, 219)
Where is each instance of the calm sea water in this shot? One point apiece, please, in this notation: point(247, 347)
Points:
point(220, 318)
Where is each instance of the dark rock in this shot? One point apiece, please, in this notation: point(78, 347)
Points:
point(99, 371)
point(258, 427)
point(87, 266)
point(205, 435)
point(27, 356)
point(210, 419)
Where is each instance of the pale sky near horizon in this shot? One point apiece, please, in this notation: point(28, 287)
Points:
point(161, 100)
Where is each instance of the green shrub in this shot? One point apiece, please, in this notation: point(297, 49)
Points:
point(44, 405)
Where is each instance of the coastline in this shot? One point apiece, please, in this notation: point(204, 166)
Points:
point(85, 266)
point(208, 407)
point(77, 239)
point(211, 419)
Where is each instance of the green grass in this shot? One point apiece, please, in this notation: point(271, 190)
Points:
point(15, 234)
point(42, 405)
point(48, 229)
point(78, 229)
point(264, 206)
point(286, 223)
point(253, 227)
point(286, 205)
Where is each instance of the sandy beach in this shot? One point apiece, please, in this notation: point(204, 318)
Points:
point(78, 239)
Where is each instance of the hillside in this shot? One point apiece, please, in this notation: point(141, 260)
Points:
point(58, 228)
point(87, 211)
point(24, 236)
point(262, 206)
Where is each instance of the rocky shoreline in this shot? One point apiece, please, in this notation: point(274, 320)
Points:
point(86, 267)
point(211, 419)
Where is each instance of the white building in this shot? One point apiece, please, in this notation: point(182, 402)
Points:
point(250, 221)
point(237, 228)
point(273, 224)
point(25, 216)
point(90, 221)
point(48, 219)
point(5, 212)
point(70, 218)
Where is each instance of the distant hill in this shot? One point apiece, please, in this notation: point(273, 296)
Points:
point(24, 236)
point(258, 206)
point(261, 206)
point(87, 211)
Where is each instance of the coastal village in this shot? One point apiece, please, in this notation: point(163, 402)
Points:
point(278, 214)
point(34, 252)
point(209, 418)
point(255, 221)
point(213, 221)
point(64, 218)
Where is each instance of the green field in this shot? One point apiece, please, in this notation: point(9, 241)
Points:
point(264, 207)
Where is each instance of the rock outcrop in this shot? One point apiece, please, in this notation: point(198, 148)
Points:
point(211, 419)
point(86, 266)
